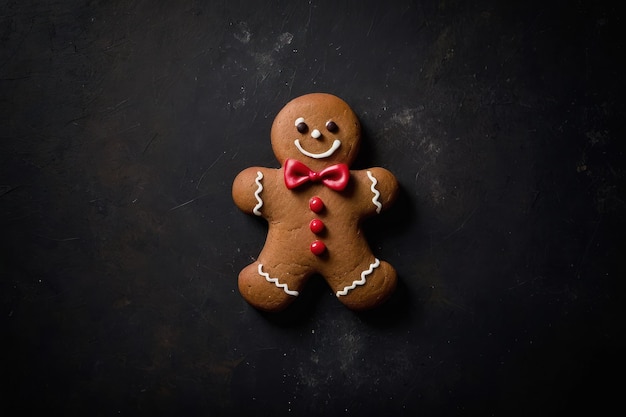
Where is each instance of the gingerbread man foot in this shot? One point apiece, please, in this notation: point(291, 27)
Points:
point(265, 290)
point(372, 287)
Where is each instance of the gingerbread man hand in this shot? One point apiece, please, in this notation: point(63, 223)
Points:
point(314, 205)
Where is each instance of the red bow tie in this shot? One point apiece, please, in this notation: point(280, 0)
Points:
point(334, 177)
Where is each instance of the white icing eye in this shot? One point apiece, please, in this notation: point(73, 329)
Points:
point(298, 121)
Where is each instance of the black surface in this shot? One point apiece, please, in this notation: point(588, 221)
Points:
point(123, 124)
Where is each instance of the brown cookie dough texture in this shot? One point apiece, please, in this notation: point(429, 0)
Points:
point(314, 206)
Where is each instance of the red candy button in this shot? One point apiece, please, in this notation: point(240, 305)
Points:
point(316, 226)
point(318, 247)
point(316, 204)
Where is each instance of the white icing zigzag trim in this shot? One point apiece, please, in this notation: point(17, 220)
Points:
point(377, 203)
point(275, 282)
point(364, 274)
point(256, 194)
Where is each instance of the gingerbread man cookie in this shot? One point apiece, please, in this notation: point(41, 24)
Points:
point(314, 205)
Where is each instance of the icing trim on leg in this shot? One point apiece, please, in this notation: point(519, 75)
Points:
point(275, 282)
point(362, 281)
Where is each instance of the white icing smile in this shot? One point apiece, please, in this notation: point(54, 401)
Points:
point(336, 144)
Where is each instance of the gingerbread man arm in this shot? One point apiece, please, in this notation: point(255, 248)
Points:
point(248, 189)
point(382, 188)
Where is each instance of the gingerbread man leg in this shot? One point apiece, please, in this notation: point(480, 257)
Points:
point(270, 286)
point(367, 286)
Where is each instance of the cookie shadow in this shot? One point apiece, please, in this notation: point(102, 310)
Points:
point(398, 311)
point(303, 308)
point(386, 232)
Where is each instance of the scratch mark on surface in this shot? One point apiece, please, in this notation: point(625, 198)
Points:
point(128, 129)
point(9, 189)
point(184, 204)
point(209, 168)
point(189, 202)
point(370, 28)
point(76, 119)
point(149, 143)
point(315, 75)
point(308, 20)
point(419, 171)
point(293, 77)
point(458, 229)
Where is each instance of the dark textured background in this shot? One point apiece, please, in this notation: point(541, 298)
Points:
point(123, 124)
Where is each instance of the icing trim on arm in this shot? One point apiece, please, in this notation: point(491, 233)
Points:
point(259, 177)
point(362, 281)
point(275, 282)
point(377, 203)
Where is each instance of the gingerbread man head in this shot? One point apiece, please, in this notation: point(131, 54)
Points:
point(317, 129)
